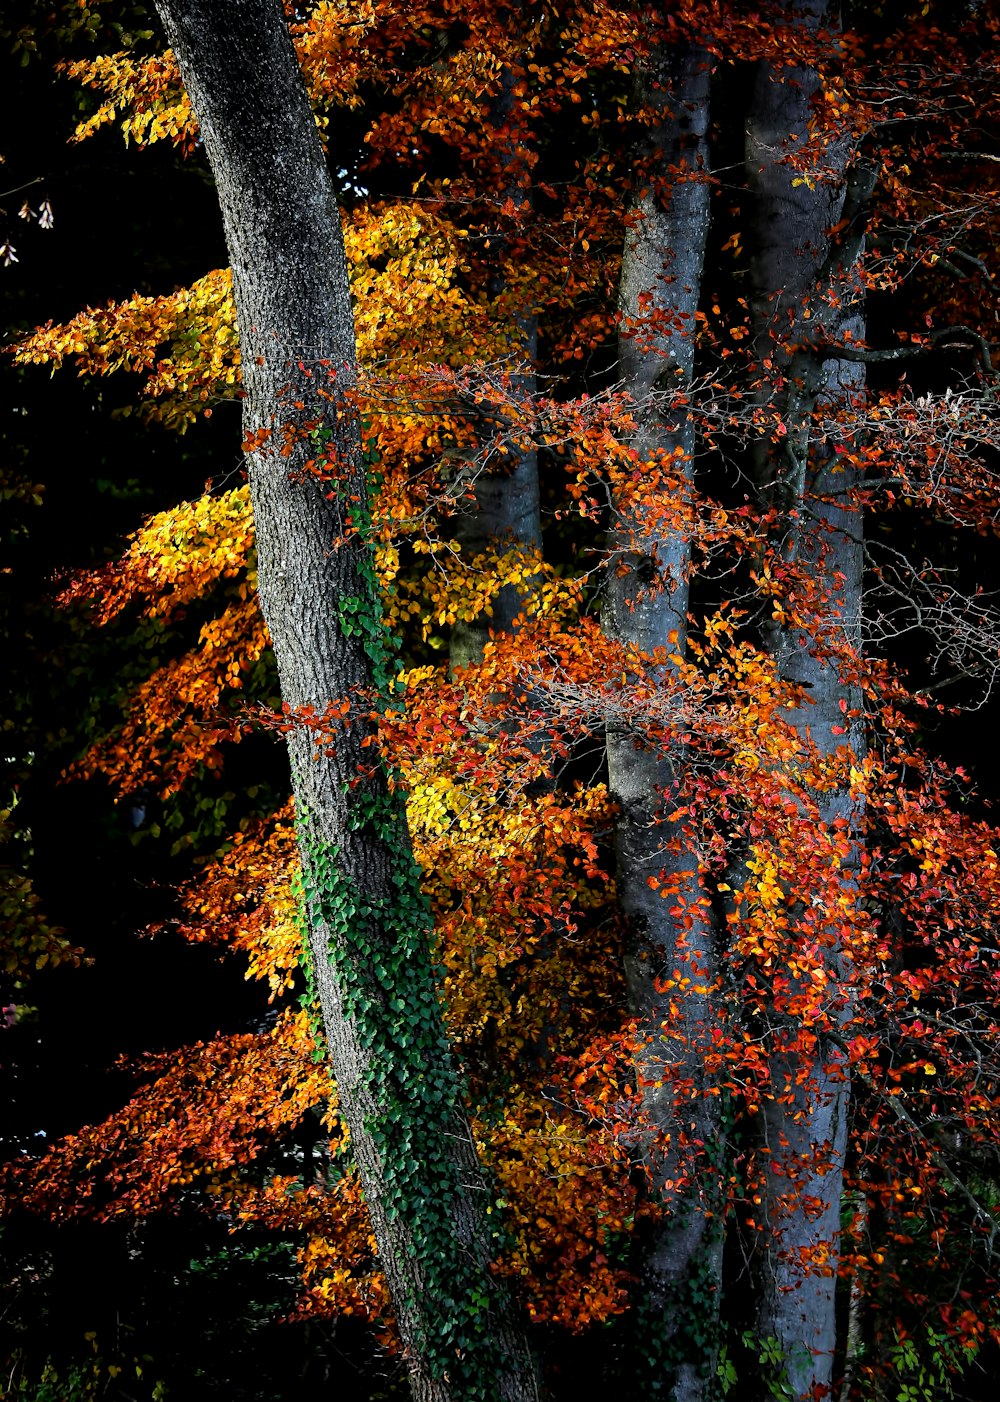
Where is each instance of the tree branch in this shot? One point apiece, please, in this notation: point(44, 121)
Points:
point(867, 355)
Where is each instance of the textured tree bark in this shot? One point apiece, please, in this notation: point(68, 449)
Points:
point(646, 609)
point(368, 925)
point(805, 291)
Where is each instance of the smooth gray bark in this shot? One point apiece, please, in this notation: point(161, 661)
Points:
point(414, 1151)
point(805, 292)
point(646, 604)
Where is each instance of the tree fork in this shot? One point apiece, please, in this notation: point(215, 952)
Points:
point(369, 925)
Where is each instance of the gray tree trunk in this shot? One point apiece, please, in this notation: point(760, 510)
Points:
point(805, 291)
point(645, 609)
point(368, 924)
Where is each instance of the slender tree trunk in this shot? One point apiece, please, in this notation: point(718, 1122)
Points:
point(805, 291)
point(399, 1093)
point(505, 506)
point(646, 609)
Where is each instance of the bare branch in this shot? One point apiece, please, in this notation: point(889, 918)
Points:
point(938, 340)
point(964, 628)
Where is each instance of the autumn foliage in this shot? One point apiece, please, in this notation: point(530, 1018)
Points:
point(892, 972)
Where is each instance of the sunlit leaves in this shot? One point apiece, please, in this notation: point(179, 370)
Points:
point(27, 940)
point(171, 1135)
point(176, 557)
point(248, 898)
point(197, 324)
point(145, 91)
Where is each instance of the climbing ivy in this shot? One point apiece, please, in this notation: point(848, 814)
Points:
point(770, 1367)
point(379, 951)
point(659, 1355)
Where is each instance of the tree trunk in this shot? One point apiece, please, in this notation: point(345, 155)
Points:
point(805, 291)
point(646, 609)
point(368, 923)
